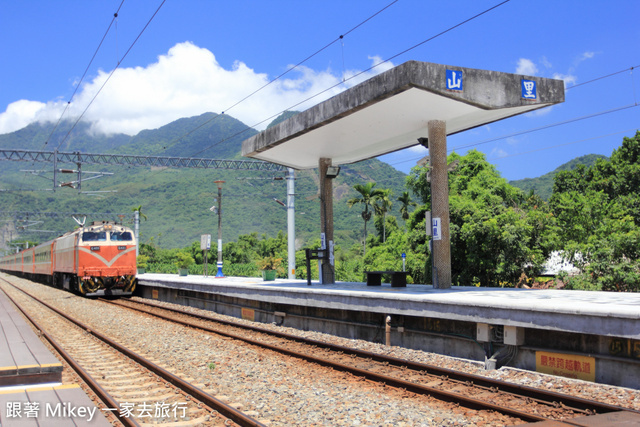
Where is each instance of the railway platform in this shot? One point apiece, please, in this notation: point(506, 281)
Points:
point(594, 336)
point(24, 359)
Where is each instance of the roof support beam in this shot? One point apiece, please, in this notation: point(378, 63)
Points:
point(327, 270)
point(440, 203)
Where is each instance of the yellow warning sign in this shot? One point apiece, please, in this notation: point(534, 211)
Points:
point(566, 365)
point(248, 314)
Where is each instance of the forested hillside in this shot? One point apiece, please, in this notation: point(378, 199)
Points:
point(500, 234)
point(543, 185)
point(176, 202)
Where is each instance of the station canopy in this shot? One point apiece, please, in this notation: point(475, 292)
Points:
point(392, 110)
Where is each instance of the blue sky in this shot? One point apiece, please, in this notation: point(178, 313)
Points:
point(197, 56)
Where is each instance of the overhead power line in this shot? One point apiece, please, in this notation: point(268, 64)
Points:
point(110, 75)
point(226, 110)
point(575, 119)
point(115, 16)
point(603, 77)
point(357, 75)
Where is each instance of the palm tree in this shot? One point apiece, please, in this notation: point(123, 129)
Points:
point(140, 214)
point(406, 201)
point(367, 197)
point(383, 205)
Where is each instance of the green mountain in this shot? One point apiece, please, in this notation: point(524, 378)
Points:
point(177, 202)
point(543, 185)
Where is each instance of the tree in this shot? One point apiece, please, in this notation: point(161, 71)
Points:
point(140, 214)
point(406, 201)
point(497, 233)
point(598, 209)
point(382, 204)
point(367, 197)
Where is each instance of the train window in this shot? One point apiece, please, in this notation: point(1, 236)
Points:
point(121, 236)
point(92, 236)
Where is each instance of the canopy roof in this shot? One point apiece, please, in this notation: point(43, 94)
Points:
point(391, 111)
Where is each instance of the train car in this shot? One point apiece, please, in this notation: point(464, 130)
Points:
point(99, 259)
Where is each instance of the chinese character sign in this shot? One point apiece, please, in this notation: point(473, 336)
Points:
point(566, 365)
point(529, 89)
point(454, 80)
point(18, 410)
point(437, 228)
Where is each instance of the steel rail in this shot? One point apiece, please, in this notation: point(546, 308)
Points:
point(577, 404)
point(228, 411)
point(102, 394)
point(379, 378)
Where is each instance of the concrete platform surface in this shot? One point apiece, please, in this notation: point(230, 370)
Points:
point(24, 359)
point(599, 313)
point(65, 405)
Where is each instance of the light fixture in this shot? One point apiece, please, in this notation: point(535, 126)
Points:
point(333, 171)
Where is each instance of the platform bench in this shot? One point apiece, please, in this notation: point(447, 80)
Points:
point(398, 278)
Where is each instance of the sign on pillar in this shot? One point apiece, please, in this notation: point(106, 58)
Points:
point(436, 225)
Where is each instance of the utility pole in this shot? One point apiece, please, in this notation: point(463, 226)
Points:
point(136, 230)
point(291, 223)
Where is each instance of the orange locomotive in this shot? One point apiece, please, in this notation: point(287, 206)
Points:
point(99, 259)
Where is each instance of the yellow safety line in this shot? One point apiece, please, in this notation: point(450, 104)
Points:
point(28, 388)
point(28, 366)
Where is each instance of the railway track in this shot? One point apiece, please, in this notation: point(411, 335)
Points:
point(132, 388)
point(476, 392)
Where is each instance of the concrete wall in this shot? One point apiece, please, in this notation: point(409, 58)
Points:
point(441, 336)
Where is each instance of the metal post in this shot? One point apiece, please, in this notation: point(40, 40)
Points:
point(219, 184)
point(440, 202)
point(136, 229)
point(291, 223)
point(79, 187)
point(55, 169)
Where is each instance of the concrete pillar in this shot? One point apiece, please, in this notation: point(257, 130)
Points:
point(440, 202)
point(326, 220)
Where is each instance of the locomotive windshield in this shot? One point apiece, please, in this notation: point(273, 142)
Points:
point(93, 236)
point(121, 236)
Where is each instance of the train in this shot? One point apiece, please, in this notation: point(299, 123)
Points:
point(94, 260)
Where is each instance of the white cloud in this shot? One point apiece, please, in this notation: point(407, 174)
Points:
point(23, 112)
point(540, 112)
point(526, 67)
point(568, 78)
point(498, 153)
point(417, 149)
point(187, 81)
point(586, 55)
